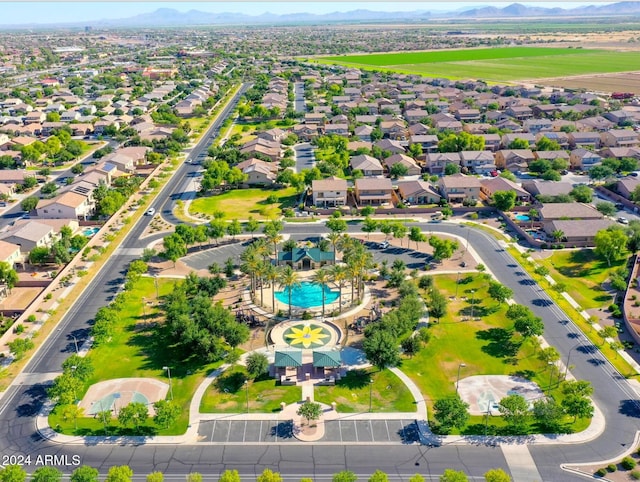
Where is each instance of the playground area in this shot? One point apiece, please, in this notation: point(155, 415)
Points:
point(484, 392)
point(112, 395)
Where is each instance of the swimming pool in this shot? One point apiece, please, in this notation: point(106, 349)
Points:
point(522, 217)
point(307, 295)
point(89, 232)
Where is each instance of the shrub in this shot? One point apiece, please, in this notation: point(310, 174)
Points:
point(601, 472)
point(48, 296)
point(19, 329)
point(31, 318)
point(612, 468)
point(307, 315)
point(628, 463)
point(635, 474)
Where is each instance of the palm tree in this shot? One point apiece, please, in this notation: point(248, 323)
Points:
point(274, 238)
point(251, 261)
point(288, 279)
point(334, 238)
point(321, 278)
point(558, 235)
point(271, 274)
point(260, 270)
point(533, 213)
point(339, 277)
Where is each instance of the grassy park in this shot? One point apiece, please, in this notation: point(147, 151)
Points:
point(486, 344)
point(228, 394)
point(496, 64)
point(351, 394)
point(242, 203)
point(134, 352)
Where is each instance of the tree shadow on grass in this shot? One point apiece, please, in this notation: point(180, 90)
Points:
point(479, 311)
point(501, 343)
point(355, 379)
point(230, 382)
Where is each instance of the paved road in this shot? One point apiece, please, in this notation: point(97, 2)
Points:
point(304, 156)
point(298, 101)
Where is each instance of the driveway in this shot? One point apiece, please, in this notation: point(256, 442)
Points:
point(305, 159)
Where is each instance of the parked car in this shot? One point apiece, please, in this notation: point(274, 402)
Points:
point(384, 245)
point(623, 220)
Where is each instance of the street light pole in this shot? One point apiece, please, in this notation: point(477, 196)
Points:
point(155, 280)
point(462, 365)
point(473, 302)
point(370, 393)
point(550, 372)
point(457, 284)
point(246, 387)
point(75, 342)
point(168, 369)
point(566, 367)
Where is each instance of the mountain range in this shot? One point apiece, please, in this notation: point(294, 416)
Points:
point(167, 17)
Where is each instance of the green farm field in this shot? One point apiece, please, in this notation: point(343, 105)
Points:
point(497, 64)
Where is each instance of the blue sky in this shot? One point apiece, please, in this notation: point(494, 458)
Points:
point(15, 13)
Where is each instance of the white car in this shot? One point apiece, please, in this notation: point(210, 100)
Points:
point(623, 220)
point(150, 212)
point(384, 245)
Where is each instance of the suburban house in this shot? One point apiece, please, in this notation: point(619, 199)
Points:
point(259, 173)
point(491, 141)
point(458, 187)
point(620, 152)
point(29, 235)
point(620, 138)
point(584, 139)
point(583, 159)
point(507, 139)
point(373, 190)
point(489, 186)
point(363, 132)
point(369, 165)
point(429, 143)
point(10, 253)
point(576, 230)
point(480, 162)
point(514, 159)
point(69, 205)
point(558, 211)
point(418, 192)
point(412, 168)
point(547, 188)
point(627, 185)
point(436, 162)
point(552, 155)
point(329, 192)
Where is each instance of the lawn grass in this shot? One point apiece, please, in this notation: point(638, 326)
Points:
point(265, 394)
point(135, 351)
point(497, 64)
point(487, 346)
point(583, 274)
point(614, 358)
point(242, 203)
point(351, 394)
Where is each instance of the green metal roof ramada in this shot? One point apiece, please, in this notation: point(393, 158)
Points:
point(288, 358)
point(327, 358)
point(316, 254)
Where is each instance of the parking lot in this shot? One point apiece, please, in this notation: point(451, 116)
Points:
point(281, 431)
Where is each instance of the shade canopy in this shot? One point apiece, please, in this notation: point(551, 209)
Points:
point(288, 358)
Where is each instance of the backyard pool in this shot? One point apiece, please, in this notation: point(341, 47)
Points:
point(307, 295)
point(522, 217)
point(536, 235)
point(89, 232)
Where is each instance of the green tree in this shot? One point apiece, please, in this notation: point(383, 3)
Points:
point(442, 248)
point(606, 208)
point(601, 172)
point(39, 255)
point(257, 364)
point(504, 200)
point(336, 225)
point(174, 247)
point(518, 143)
point(497, 475)
point(437, 304)
point(311, 411)
point(321, 278)
point(416, 235)
point(369, 225)
point(582, 194)
point(379, 476)
point(548, 414)
point(288, 279)
point(13, 473)
point(515, 411)
point(499, 292)
point(381, 349)
point(607, 332)
point(78, 366)
point(451, 475)
point(398, 170)
point(155, 477)
point(344, 476)
point(134, 413)
point(29, 204)
point(577, 406)
point(8, 275)
point(450, 413)
point(84, 473)
point(46, 474)
point(252, 225)
point(268, 475)
point(19, 347)
point(167, 413)
point(234, 228)
point(529, 326)
point(450, 168)
point(416, 478)
point(194, 477)
point(229, 476)
point(549, 355)
point(611, 244)
point(119, 473)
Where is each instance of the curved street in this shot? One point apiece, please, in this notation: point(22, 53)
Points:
point(23, 400)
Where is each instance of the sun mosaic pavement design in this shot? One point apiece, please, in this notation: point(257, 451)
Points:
point(307, 336)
